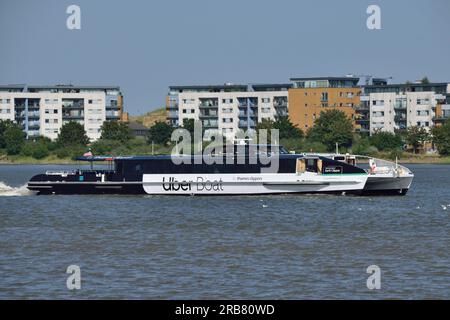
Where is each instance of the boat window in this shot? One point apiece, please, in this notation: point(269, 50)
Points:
point(119, 167)
point(138, 168)
point(319, 166)
point(311, 165)
point(301, 166)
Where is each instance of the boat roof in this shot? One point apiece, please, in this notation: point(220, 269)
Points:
point(168, 157)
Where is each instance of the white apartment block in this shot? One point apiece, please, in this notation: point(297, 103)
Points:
point(42, 110)
point(228, 108)
point(397, 107)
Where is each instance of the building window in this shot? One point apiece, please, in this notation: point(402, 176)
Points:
point(324, 96)
point(188, 101)
point(227, 100)
point(378, 102)
point(265, 100)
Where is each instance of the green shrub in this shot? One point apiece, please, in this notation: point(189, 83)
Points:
point(62, 153)
point(27, 149)
point(386, 141)
point(104, 146)
point(40, 151)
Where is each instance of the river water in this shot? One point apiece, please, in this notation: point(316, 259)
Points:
point(245, 247)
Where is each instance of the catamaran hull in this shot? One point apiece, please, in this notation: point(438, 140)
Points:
point(193, 184)
point(377, 185)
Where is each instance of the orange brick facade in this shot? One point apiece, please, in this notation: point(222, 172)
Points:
point(305, 104)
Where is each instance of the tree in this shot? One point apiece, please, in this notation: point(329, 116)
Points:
point(13, 138)
point(425, 80)
point(72, 134)
point(416, 137)
point(441, 138)
point(386, 140)
point(189, 125)
point(4, 124)
point(266, 124)
point(332, 126)
point(287, 129)
point(115, 130)
point(160, 133)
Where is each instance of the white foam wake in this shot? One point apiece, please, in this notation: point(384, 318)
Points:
point(8, 191)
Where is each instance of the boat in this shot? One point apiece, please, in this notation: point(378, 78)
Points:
point(384, 177)
point(241, 172)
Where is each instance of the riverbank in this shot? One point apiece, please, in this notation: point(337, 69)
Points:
point(52, 159)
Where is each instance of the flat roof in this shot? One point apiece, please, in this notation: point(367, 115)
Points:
point(210, 87)
point(70, 86)
point(435, 84)
point(271, 85)
point(326, 78)
point(12, 86)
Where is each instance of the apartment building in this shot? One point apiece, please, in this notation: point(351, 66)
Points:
point(309, 96)
point(442, 110)
point(227, 108)
point(396, 107)
point(42, 110)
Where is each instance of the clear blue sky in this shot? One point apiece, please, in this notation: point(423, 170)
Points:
point(145, 46)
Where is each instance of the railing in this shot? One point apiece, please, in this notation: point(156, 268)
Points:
point(280, 103)
point(74, 106)
point(209, 105)
point(208, 114)
point(172, 114)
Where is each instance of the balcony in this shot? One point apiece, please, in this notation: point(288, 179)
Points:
point(400, 106)
point(362, 130)
point(280, 103)
point(244, 124)
point(362, 108)
point(73, 103)
point(172, 115)
point(209, 124)
point(34, 125)
point(281, 114)
point(209, 103)
point(73, 115)
point(441, 119)
point(74, 106)
point(208, 113)
point(377, 125)
point(400, 118)
point(244, 114)
point(362, 121)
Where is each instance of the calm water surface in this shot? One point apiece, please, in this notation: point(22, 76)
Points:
point(261, 247)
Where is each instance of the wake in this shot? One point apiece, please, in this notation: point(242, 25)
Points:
point(7, 191)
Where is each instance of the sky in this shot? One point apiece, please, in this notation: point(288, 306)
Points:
point(146, 46)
